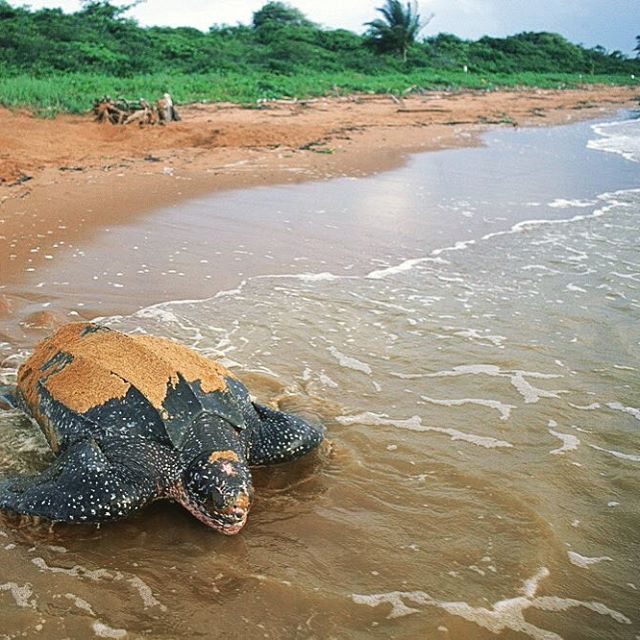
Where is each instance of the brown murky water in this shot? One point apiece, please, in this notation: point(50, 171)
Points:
point(481, 397)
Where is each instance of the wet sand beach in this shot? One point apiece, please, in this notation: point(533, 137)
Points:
point(463, 322)
point(86, 180)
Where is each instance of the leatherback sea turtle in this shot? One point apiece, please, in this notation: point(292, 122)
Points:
point(134, 419)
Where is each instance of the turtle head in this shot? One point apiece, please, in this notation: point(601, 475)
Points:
point(217, 489)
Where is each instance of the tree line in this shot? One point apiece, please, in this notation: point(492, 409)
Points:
point(100, 38)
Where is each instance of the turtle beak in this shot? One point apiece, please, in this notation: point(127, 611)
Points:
point(228, 519)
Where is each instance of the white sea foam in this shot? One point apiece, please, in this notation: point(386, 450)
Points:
point(501, 407)
point(148, 599)
point(407, 265)
point(415, 424)
point(504, 615)
point(539, 267)
point(632, 411)
point(517, 378)
point(458, 246)
point(349, 362)
point(585, 561)
point(306, 277)
point(481, 441)
point(103, 630)
point(78, 571)
point(569, 441)
point(617, 454)
point(475, 334)
point(21, 593)
point(80, 603)
point(407, 376)
point(367, 417)
point(622, 138)
point(228, 293)
point(561, 203)
point(588, 407)
point(327, 381)
point(530, 393)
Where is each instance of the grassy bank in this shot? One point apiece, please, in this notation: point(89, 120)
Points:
point(75, 92)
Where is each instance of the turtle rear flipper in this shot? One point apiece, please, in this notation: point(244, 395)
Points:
point(84, 484)
point(281, 437)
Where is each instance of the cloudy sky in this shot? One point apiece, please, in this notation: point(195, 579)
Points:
point(613, 24)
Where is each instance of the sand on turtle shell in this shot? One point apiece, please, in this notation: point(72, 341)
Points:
point(104, 365)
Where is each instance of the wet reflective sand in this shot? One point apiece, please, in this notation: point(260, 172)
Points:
point(478, 379)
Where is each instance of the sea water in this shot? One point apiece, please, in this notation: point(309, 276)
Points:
point(481, 396)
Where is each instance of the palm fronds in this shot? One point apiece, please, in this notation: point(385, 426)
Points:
point(398, 28)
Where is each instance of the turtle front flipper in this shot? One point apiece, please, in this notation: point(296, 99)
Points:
point(7, 397)
point(280, 437)
point(89, 482)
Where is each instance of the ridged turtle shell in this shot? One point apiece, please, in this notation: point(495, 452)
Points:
point(87, 379)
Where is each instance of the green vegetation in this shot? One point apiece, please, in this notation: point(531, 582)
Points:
point(54, 61)
point(74, 92)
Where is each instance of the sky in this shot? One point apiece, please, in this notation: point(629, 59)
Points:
point(614, 24)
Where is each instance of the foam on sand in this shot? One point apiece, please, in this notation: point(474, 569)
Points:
point(349, 362)
point(407, 265)
point(561, 203)
point(585, 561)
point(21, 594)
point(105, 631)
point(501, 407)
point(517, 378)
point(569, 441)
point(618, 406)
point(96, 575)
point(324, 276)
point(415, 424)
point(504, 615)
point(148, 599)
point(617, 454)
point(80, 603)
point(622, 138)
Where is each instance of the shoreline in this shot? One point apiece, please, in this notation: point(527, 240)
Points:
point(121, 174)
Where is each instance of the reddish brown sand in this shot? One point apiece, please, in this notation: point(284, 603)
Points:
point(69, 178)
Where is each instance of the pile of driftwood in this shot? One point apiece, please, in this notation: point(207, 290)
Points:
point(121, 111)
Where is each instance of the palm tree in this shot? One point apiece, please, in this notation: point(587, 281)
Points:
point(398, 28)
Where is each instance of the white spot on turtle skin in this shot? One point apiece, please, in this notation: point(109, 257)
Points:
point(227, 468)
